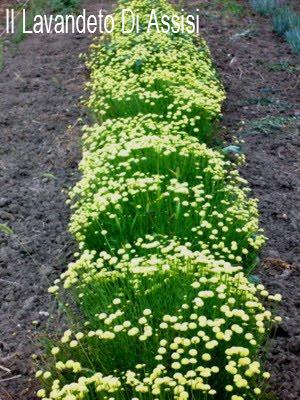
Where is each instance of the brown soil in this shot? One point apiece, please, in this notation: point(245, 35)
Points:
point(8, 4)
point(40, 86)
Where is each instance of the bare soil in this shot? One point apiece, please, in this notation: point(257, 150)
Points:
point(40, 85)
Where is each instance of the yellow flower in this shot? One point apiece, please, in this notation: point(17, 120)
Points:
point(206, 357)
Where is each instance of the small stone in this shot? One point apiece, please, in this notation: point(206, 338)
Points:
point(29, 303)
point(4, 201)
point(294, 345)
point(44, 313)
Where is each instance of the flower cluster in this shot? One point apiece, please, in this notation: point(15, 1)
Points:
point(179, 327)
point(163, 74)
point(130, 189)
point(160, 300)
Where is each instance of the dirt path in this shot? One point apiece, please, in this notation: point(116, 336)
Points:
point(40, 87)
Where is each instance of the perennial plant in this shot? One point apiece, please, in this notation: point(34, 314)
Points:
point(161, 304)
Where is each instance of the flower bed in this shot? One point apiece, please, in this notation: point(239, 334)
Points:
point(167, 235)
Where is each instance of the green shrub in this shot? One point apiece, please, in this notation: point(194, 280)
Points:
point(130, 189)
point(293, 38)
point(64, 6)
point(154, 73)
point(284, 19)
point(187, 331)
point(268, 125)
point(35, 7)
point(161, 304)
point(265, 7)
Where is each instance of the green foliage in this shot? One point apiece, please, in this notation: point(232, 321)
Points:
point(282, 66)
point(293, 38)
point(6, 229)
point(265, 7)
point(284, 19)
point(48, 175)
point(268, 125)
point(64, 6)
point(229, 8)
point(233, 7)
point(166, 233)
point(35, 7)
point(188, 330)
point(155, 74)
point(130, 189)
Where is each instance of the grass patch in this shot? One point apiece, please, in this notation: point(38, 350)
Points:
point(284, 19)
point(6, 229)
point(229, 7)
point(39, 6)
point(293, 38)
point(233, 7)
point(281, 66)
point(286, 22)
point(265, 7)
point(268, 125)
point(32, 8)
point(63, 6)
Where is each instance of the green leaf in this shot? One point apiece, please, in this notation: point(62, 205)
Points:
point(49, 175)
point(138, 65)
point(254, 279)
point(6, 229)
point(232, 149)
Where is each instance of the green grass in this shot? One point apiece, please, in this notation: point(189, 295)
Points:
point(33, 8)
point(39, 6)
point(233, 7)
point(229, 7)
point(284, 19)
point(64, 6)
point(265, 7)
point(293, 38)
point(286, 22)
point(6, 229)
point(268, 125)
point(282, 66)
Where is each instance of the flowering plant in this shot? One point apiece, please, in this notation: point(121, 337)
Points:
point(166, 235)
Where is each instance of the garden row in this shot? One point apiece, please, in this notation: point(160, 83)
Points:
point(286, 21)
point(160, 305)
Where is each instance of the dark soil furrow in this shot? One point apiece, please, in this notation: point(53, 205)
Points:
point(40, 86)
